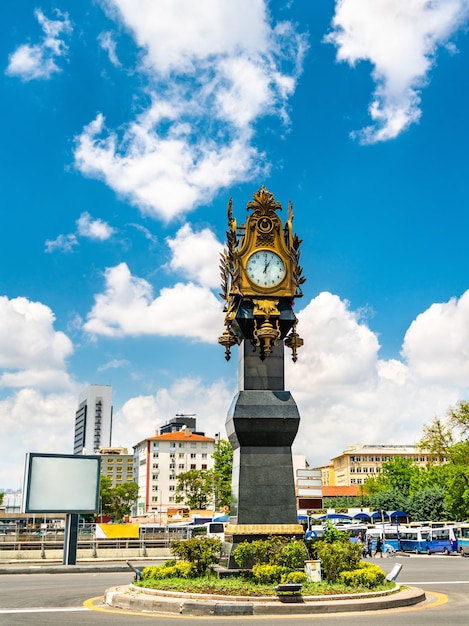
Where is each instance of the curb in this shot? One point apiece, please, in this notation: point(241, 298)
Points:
point(133, 598)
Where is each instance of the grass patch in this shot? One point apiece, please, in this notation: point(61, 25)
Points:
point(243, 587)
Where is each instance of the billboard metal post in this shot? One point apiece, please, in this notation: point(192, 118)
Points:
point(70, 539)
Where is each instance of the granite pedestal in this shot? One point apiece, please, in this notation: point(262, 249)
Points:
point(261, 425)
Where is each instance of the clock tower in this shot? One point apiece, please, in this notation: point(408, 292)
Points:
point(261, 277)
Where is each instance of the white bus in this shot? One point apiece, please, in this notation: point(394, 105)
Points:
point(214, 530)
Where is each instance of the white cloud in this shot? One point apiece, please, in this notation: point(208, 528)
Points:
point(436, 345)
point(108, 44)
point(143, 415)
point(28, 340)
point(400, 38)
point(347, 394)
point(66, 243)
point(196, 255)
point(164, 175)
point(34, 422)
point(94, 228)
point(214, 69)
point(38, 61)
point(113, 364)
point(127, 307)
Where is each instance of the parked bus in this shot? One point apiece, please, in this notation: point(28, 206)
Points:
point(414, 539)
point(210, 529)
point(463, 539)
point(442, 540)
point(353, 530)
point(389, 535)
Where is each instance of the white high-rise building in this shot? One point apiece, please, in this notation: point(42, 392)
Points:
point(93, 420)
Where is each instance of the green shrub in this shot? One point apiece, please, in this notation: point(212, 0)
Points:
point(185, 569)
point(338, 557)
point(266, 574)
point(295, 578)
point(368, 575)
point(272, 551)
point(150, 571)
point(291, 554)
point(171, 569)
point(201, 552)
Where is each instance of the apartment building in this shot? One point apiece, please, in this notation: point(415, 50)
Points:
point(358, 462)
point(159, 459)
point(117, 464)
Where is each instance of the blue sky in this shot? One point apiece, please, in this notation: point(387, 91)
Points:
point(128, 125)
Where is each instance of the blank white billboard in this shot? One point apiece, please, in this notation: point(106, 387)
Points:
point(58, 483)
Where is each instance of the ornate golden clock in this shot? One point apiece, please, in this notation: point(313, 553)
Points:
point(261, 276)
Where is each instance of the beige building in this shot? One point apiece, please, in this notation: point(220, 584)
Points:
point(117, 465)
point(358, 463)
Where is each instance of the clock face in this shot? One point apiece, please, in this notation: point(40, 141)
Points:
point(265, 268)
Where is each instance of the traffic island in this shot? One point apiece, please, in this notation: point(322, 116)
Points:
point(131, 597)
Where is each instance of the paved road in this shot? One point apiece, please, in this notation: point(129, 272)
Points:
point(57, 600)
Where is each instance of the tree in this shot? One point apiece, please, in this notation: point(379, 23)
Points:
point(222, 472)
point(397, 474)
point(1, 496)
point(195, 488)
point(116, 502)
point(428, 504)
point(389, 500)
point(447, 441)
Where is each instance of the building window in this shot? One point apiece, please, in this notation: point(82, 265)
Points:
point(181, 455)
point(352, 481)
point(204, 444)
point(172, 466)
point(204, 455)
point(181, 466)
point(154, 498)
point(155, 455)
point(193, 455)
point(172, 487)
point(172, 477)
point(155, 476)
point(171, 498)
point(192, 465)
point(118, 460)
point(193, 445)
point(172, 455)
point(155, 465)
point(154, 487)
point(156, 445)
point(182, 445)
point(377, 459)
point(110, 461)
point(352, 470)
point(204, 466)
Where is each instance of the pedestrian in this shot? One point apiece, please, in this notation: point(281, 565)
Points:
point(368, 546)
point(379, 547)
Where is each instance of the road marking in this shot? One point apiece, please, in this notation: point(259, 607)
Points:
point(68, 609)
point(438, 582)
